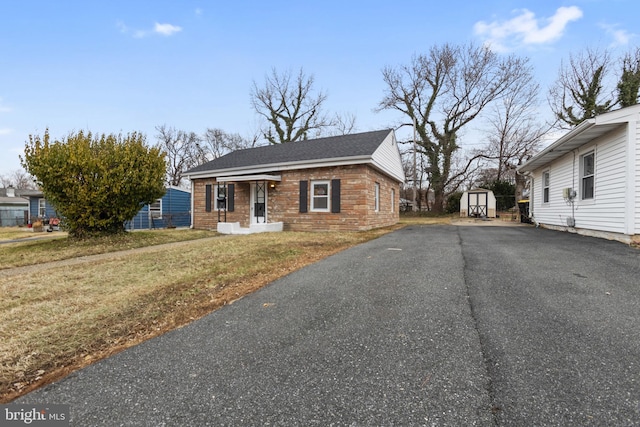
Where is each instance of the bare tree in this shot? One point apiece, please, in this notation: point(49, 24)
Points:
point(629, 83)
point(514, 131)
point(465, 171)
point(290, 105)
point(182, 151)
point(579, 91)
point(18, 178)
point(444, 90)
point(216, 143)
point(344, 124)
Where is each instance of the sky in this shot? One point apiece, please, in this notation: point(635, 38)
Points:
point(121, 66)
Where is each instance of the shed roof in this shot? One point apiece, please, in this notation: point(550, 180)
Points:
point(344, 149)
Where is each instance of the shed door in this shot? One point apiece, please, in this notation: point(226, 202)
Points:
point(478, 204)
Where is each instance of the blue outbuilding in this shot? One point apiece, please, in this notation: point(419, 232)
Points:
point(172, 210)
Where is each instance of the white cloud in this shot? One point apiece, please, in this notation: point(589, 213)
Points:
point(526, 29)
point(5, 131)
point(199, 11)
point(161, 29)
point(167, 29)
point(620, 37)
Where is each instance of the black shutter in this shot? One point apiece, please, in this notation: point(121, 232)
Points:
point(304, 186)
point(335, 196)
point(207, 197)
point(230, 195)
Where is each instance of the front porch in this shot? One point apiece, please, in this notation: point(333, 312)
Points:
point(235, 228)
point(245, 196)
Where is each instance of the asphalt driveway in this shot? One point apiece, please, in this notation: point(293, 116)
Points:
point(430, 325)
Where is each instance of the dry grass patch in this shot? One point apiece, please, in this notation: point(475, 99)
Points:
point(55, 323)
point(413, 219)
point(11, 233)
point(38, 251)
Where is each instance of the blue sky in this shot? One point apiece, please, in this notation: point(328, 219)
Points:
point(120, 66)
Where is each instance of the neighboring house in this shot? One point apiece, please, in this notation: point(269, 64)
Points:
point(479, 203)
point(342, 183)
point(171, 210)
point(39, 208)
point(588, 181)
point(14, 210)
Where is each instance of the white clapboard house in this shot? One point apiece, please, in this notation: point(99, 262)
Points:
point(588, 181)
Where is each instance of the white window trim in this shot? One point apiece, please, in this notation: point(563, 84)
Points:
point(42, 208)
point(546, 186)
point(393, 200)
point(582, 177)
point(376, 196)
point(328, 196)
point(156, 213)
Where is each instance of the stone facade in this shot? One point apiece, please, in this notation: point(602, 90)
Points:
point(357, 201)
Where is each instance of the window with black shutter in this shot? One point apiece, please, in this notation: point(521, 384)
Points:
point(207, 197)
point(304, 187)
point(230, 196)
point(335, 196)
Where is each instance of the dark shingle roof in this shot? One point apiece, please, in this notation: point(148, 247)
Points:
point(354, 145)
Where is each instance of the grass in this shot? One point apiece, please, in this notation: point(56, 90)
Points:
point(11, 233)
point(54, 323)
point(58, 247)
point(426, 218)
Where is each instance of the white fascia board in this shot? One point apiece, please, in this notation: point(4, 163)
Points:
point(303, 164)
point(532, 164)
point(260, 177)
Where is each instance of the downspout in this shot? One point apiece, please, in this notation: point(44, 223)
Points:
point(191, 214)
point(528, 175)
point(631, 205)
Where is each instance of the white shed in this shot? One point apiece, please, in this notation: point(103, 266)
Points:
point(478, 203)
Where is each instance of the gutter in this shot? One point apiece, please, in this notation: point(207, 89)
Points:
point(302, 164)
point(582, 127)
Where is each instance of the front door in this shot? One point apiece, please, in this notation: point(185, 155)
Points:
point(258, 202)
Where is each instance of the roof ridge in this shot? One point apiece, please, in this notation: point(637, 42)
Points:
point(339, 146)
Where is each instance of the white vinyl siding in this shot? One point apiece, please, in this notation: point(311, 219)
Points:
point(387, 158)
point(605, 212)
point(637, 178)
